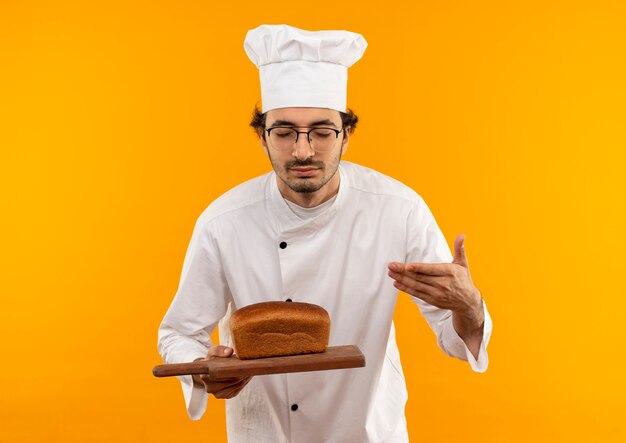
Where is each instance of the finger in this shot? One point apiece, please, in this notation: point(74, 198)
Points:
point(226, 383)
point(459, 251)
point(216, 385)
point(409, 282)
point(421, 295)
point(436, 281)
point(231, 391)
point(238, 390)
point(224, 393)
point(231, 394)
point(426, 279)
point(396, 266)
point(220, 351)
point(430, 268)
point(426, 297)
point(244, 382)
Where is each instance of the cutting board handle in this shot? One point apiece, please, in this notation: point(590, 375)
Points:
point(220, 368)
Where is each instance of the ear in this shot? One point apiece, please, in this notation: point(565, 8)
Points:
point(346, 139)
point(261, 134)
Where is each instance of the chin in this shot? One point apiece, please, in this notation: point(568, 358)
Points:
point(305, 188)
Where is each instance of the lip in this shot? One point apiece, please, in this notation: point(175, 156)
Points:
point(305, 172)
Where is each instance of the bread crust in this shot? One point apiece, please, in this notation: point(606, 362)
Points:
point(276, 328)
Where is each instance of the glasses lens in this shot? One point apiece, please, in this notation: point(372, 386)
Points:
point(283, 138)
point(323, 139)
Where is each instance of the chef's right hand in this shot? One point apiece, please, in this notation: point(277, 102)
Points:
point(223, 388)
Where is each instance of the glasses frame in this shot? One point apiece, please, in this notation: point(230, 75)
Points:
point(308, 133)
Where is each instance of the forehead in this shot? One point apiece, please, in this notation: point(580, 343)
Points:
point(302, 116)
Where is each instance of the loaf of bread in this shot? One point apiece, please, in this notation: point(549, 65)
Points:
point(276, 328)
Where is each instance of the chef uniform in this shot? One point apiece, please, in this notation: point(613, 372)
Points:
point(250, 246)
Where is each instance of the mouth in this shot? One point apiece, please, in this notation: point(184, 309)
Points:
point(304, 171)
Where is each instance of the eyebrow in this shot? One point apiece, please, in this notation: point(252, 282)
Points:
point(325, 122)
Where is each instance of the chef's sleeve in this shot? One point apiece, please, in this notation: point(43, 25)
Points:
point(426, 244)
point(200, 302)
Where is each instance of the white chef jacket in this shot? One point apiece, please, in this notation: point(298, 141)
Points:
point(249, 247)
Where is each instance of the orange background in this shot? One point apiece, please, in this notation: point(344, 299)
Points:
point(120, 121)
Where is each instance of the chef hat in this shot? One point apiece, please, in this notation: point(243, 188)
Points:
point(303, 68)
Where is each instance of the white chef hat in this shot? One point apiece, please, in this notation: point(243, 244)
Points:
point(303, 68)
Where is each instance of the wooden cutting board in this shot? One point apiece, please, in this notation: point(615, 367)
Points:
point(219, 368)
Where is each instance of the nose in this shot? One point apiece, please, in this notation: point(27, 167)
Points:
point(302, 149)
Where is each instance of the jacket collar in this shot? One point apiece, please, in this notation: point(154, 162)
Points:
point(290, 223)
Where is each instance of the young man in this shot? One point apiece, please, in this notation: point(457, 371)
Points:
point(322, 231)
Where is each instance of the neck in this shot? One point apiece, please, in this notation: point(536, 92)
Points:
point(310, 199)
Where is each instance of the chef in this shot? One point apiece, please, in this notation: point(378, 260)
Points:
point(318, 230)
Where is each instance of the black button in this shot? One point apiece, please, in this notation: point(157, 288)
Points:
point(288, 299)
point(282, 245)
point(294, 407)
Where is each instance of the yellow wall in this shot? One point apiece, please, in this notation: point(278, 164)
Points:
point(120, 121)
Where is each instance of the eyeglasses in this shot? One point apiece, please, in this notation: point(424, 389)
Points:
point(284, 138)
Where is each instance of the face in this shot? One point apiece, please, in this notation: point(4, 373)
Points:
point(303, 170)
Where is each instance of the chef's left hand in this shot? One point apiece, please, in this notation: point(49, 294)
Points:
point(446, 286)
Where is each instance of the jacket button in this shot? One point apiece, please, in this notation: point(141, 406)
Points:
point(288, 299)
point(294, 407)
point(282, 245)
